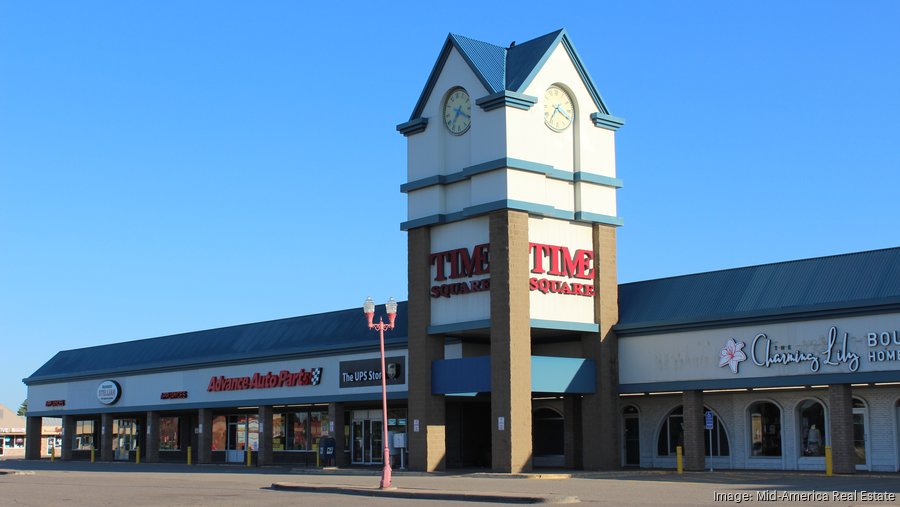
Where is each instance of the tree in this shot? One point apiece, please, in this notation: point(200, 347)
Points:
point(23, 408)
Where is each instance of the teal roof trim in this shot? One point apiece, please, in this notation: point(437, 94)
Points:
point(484, 59)
point(510, 70)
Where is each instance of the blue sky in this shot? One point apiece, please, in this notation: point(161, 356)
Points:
point(173, 166)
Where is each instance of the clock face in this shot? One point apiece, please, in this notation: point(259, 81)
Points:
point(559, 112)
point(458, 112)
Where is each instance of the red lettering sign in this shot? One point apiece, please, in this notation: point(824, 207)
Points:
point(55, 403)
point(285, 378)
point(174, 395)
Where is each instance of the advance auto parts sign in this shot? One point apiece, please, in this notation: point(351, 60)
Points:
point(109, 392)
point(284, 378)
point(367, 372)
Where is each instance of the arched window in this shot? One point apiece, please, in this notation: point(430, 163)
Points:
point(811, 427)
point(671, 435)
point(765, 429)
point(548, 432)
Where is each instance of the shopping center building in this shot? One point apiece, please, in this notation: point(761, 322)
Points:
point(517, 348)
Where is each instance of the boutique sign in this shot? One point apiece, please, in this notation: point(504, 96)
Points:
point(837, 348)
point(455, 271)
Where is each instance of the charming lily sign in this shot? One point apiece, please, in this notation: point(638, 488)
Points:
point(765, 352)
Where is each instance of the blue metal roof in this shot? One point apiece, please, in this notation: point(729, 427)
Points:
point(506, 69)
point(839, 282)
point(342, 330)
point(785, 289)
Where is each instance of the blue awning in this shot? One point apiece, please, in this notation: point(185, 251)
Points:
point(559, 375)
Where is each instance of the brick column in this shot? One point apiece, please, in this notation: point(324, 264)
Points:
point(106, 437)
point(68, 437)
point(572, 432)
point(151, 453)
point(204, 437)
point(510, 343)
point(840, 418)
point(264, 452)
point(33, 427)
point(427, 447)
point(694, 431)
point(600, 411)
point(336, 416)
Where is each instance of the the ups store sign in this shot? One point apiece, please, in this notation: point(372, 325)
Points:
point(367, 372)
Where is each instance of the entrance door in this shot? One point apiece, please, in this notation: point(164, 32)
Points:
point(861, 438)
point(632, 440)
point(125, 438)
point(368, 444)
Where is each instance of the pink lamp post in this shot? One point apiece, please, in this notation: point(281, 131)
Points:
point(369, 309)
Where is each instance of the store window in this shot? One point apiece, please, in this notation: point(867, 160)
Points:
point(168, 434)
point(14, 442)
point(811, 428)
point(298, 430)
point(219, 432)
point(84, 435)
point(765, 429)
point(671, 435)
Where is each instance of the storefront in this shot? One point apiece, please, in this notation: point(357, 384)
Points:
point(518, 348)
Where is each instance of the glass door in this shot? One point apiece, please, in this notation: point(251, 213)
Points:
point(861, 438)
point(357, 436)
point(632, 438)
point(376, 429)
point(367, 440)
point(125, 438)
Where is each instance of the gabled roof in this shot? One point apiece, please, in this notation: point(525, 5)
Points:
point(506, 69)
point(333, 332)
point(837, 283)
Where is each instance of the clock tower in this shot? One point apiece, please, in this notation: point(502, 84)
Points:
point(511, 188)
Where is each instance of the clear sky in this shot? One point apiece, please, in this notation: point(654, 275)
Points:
point(174, 166)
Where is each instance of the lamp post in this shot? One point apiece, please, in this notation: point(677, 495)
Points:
point(381, 326)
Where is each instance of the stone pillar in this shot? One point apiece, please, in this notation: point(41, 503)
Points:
point(204, 436)
point(33, 427)
point(427, 447)
point(600, 411)
point(572, 431)
point(336, 417)
point(106, 437)
point(68, 437)
point(264, 452)
point(840, 417)
point(510, 343)
point(151, 453)
point(694, 431)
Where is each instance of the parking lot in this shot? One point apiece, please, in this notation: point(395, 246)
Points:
point(77, 483)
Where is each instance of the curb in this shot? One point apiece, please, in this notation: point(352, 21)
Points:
point(427, 494)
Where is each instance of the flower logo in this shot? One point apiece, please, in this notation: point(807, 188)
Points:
point(732, 355)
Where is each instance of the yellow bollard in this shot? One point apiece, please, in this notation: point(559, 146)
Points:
point(316, 450)
point(137, 456)
point(828, 463)
point(679, 459)
point(189, 455)
point(52, 454)
point(93, 452)
point(249, 456)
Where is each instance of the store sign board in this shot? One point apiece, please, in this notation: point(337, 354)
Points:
point(367, 372)
point(109, 392)
point(284, 378)
point(848, 345)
